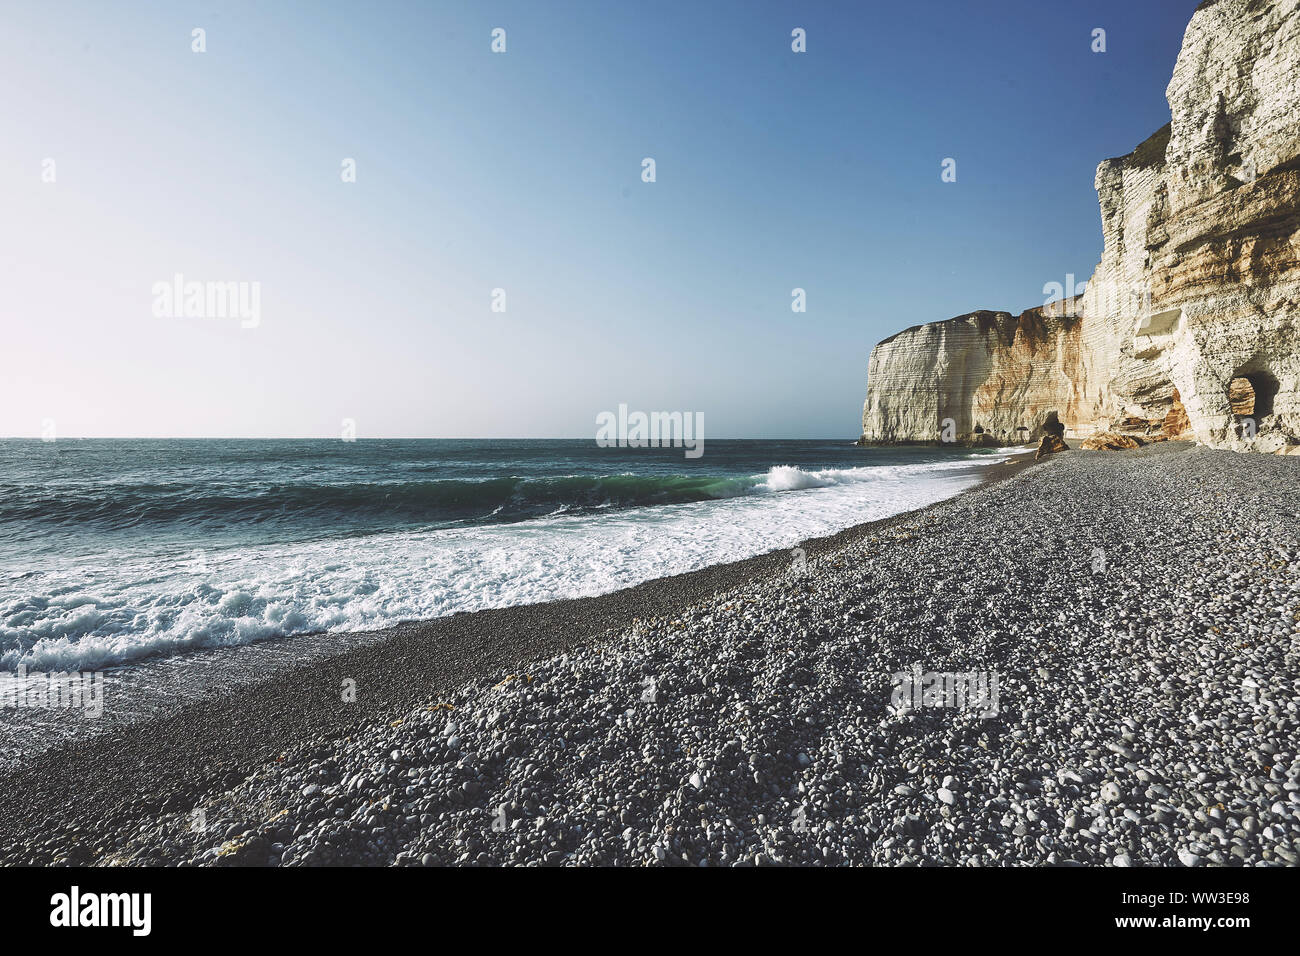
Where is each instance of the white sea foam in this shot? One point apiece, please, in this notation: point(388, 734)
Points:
point(790, 478)
point(116, 609)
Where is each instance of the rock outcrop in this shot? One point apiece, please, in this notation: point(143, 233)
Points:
point(1110, 441)
point(1191, 316)
point(1050, 445)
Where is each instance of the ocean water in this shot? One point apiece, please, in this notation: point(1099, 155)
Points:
point(116, 551)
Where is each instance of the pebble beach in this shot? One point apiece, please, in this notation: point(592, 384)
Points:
point(1138, 613)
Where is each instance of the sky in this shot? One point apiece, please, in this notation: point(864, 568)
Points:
point(128, 158)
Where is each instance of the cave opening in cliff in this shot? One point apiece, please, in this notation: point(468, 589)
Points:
point(1251, 393)
point(1052, 425)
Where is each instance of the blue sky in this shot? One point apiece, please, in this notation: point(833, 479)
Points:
point(522, 171)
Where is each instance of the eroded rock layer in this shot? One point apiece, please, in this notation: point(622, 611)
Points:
point(1190, 317)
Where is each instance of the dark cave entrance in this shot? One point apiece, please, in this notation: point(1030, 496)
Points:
point(1251, 394)
point(1052, 425)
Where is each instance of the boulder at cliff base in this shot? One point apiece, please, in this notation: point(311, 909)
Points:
point(1050, 445)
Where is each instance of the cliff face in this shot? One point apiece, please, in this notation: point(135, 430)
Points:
point(988, 373)
point(1197, 293)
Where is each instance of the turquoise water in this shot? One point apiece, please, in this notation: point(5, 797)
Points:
point(112, 551)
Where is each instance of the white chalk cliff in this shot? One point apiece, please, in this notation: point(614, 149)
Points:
point(1188, 326)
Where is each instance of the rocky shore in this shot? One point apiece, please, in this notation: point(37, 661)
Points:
point(1138, 613)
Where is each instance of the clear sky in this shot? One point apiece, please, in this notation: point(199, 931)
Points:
point(522, 171)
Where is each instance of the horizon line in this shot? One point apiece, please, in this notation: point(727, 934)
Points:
point(55, 441)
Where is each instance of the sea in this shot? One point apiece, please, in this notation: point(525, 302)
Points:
point(114, 552)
